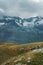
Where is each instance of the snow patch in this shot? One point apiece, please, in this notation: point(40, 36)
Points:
point(2, 24)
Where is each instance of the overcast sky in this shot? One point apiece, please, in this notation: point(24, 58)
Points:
point(22, 8)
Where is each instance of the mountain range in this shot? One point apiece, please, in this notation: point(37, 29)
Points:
point(21, 30)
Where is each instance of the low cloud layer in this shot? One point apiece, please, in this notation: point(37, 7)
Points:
point(22, 8)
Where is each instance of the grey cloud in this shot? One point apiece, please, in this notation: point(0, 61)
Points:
point(23, 8)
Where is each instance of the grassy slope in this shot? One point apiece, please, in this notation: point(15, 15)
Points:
point(8, 51)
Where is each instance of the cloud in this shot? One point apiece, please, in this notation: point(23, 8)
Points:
point(37, 1)
point(22, 8)
point(1, 10)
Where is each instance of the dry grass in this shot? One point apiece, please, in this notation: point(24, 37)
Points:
point(12, 50)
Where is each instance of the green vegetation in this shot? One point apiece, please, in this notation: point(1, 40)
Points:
point(38, 59)
point(12, 54)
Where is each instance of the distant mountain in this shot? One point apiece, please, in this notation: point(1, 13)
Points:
point(18, 30)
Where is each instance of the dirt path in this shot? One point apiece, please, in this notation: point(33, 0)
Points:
point(38, 50)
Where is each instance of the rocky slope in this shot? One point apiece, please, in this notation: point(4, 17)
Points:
point(18, 30)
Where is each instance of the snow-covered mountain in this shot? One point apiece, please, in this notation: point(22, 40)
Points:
point(18, 30)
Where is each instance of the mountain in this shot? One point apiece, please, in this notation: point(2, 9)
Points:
point(18, 30)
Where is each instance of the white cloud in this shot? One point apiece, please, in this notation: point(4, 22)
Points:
point(36, 1)
point(1, 10)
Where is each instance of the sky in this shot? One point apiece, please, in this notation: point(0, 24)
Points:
point(21, 8)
